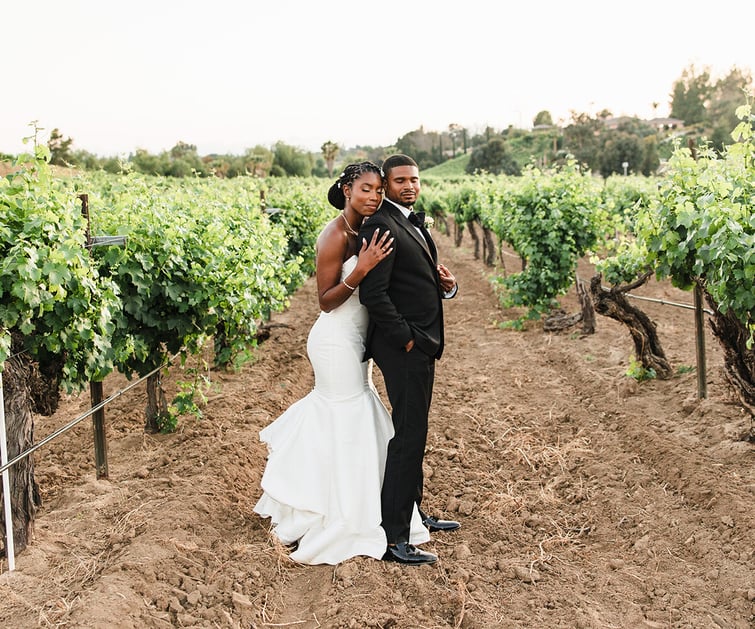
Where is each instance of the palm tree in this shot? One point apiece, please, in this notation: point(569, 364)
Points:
point(329, 151)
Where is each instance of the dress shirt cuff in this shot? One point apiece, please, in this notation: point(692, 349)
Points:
point(451, 293)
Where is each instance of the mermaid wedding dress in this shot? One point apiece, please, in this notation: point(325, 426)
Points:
point(321, 485)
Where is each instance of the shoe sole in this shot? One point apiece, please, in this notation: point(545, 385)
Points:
point(389, 557)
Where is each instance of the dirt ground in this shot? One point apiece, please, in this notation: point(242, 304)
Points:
point(587, 500)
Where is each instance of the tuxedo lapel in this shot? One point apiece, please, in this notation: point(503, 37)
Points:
point(427, 244)
point(430, 243)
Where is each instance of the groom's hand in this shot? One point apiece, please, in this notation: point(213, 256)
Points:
point(447, 279)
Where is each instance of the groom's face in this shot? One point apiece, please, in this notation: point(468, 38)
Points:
point(402, 185)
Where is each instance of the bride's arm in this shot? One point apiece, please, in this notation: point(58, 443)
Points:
point(330, 250)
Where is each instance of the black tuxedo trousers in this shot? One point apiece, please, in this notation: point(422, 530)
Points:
point(408, 380)
point(403, 297)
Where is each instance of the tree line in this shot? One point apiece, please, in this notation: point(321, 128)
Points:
point(702, 111)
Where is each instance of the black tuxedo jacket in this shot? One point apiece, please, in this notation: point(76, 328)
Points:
point(402, 293)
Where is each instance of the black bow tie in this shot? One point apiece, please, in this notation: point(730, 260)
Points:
point(417, 219)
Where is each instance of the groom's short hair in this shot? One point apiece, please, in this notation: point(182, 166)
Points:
point(398, 159)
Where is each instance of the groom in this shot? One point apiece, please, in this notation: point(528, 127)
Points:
point(403, 296)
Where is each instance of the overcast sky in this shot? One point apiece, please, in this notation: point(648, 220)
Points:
point(230, 74)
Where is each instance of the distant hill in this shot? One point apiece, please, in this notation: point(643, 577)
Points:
point(452, 168)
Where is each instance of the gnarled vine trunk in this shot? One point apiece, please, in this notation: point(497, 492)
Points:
point(739, 361)
point(558, 320)
point(443, 219)
point(588, 309)
point(475, 239)
point(488, 247)
point(19, 420)
point(157, 404)
point(647, 346)
point(458, 233)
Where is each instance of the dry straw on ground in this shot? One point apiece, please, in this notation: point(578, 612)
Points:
point(586, 500)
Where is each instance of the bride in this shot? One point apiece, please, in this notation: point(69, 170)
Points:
point(322, 480)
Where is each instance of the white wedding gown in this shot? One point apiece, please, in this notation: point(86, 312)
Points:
point(321, 485)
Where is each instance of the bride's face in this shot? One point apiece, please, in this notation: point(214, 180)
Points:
point(366, 193)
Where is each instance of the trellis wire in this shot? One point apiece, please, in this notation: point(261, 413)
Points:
point(81, 417)
point(6, 465)
point(99, 421)
point(702, 385)
point(663, 302)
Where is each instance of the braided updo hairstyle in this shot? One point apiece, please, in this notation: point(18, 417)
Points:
point(336, 196)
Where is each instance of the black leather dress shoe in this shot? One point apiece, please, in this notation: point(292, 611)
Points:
point(434, 524)
point(404, 552)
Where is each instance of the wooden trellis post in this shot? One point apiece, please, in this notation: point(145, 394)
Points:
point(702, 381)
point(95, 388)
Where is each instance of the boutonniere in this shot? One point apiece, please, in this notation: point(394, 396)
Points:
point(429, 222)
